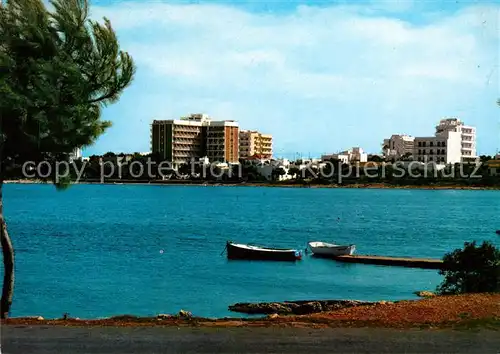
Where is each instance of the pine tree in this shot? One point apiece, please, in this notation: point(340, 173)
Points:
point(58, 69)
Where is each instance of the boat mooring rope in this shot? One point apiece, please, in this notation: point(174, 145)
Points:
point(224, 250)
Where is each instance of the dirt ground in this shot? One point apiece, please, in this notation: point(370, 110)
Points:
point(436, 312)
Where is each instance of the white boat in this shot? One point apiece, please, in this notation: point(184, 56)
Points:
point(330, 249)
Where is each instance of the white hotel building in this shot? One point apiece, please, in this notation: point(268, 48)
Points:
point(454, 142)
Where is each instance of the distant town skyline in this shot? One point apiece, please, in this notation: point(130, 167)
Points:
point(320, 78)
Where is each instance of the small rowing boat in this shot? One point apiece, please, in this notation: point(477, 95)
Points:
point(251, 252)
point(331, 250)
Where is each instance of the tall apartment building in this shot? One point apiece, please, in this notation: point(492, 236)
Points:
point(453, 142)
point(178, 140)
point(253, 143)
point(467, 136)
point(398, 146)
point(193, 137)
point(222, 143)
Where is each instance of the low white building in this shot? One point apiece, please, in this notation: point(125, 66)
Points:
point(266, 169)
point(356, 154)
point(442, 150)
point(340, 157)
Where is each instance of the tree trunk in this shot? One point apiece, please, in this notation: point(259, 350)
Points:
point(8, 263)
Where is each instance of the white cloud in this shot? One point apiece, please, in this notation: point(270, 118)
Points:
point(336, 62)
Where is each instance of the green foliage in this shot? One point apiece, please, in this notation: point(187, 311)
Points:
point(277, 172)
point(329, 170)
point(185, 169)
point(472, 269)
point(293, 171)
point(485, 158)
point(57, 72)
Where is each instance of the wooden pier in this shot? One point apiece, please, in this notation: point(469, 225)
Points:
point(424, 263)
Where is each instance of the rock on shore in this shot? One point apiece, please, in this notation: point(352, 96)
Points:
point(296, 307)
point(424, 293)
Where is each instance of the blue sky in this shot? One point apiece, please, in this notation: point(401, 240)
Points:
point(321, 76)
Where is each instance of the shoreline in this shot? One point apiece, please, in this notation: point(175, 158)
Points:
point(453, 311)
point(272, 185)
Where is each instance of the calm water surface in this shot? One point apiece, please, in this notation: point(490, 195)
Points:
point(101, 250)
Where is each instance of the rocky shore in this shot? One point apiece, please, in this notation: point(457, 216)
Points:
point(296, 307)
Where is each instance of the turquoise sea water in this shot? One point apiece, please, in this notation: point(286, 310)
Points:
point(102, 250)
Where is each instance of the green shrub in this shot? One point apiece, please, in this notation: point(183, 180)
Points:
point(473, 269)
